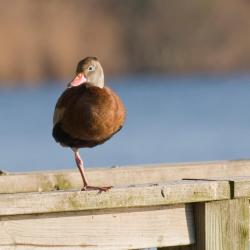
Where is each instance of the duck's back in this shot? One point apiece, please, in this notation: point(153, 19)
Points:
point(86, 116)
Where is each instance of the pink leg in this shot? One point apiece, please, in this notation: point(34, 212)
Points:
point(80, 166)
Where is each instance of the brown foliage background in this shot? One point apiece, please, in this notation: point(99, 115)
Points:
point(44, 39)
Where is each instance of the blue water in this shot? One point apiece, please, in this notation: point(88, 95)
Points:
point(169, 119)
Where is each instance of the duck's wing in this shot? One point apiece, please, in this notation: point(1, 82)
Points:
point(60, 107)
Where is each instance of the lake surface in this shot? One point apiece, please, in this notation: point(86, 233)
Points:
point(169, 119)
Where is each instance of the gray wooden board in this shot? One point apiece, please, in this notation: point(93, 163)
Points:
point(222, 225)
point(143, 195)
point(120, 176)
point(115, 229)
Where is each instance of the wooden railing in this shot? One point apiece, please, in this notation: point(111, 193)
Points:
point(200, 206)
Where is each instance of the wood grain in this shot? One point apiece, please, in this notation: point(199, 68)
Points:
point(116, 229)
point(222, 225)
point(144, 195)
point(145, 209)
point(241, 187)
point(119, 176)
point(190, 247)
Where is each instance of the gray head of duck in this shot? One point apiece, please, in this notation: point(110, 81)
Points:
point(88, 70)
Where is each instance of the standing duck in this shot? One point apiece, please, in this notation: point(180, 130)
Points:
point(87, 113)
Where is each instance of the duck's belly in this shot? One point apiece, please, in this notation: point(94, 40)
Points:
point(94, 122)
point(67, 140)
point(97, 124)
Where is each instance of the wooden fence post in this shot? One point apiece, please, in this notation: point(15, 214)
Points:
point(222, 225)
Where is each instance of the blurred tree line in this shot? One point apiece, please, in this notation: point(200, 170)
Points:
point(44, 39)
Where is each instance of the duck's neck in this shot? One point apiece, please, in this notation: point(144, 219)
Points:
point(100, 82)
point(98, 79)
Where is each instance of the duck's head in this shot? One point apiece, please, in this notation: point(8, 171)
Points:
point(88, 70)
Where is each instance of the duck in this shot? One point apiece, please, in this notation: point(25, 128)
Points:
point(87, 114)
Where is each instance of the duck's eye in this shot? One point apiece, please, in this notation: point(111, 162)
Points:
point(91, 68)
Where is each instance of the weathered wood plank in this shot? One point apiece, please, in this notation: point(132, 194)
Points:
point(116, 229)
point(130, 175)
point(25, 247)
point(222, 225)
point(190, 247)
point(241, 187)
point(144, 195)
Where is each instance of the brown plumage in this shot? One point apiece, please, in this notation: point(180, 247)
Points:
point(87, 113)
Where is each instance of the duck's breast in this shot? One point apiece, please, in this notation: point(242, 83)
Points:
point(91, 113)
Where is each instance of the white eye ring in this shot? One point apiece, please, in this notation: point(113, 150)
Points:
point(91, 68)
